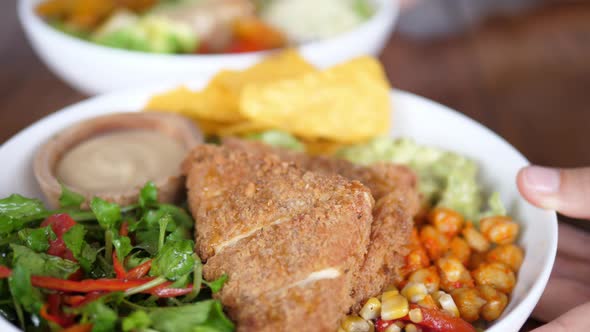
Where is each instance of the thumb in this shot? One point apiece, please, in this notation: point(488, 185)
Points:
point(564, 190)
point(575, 320)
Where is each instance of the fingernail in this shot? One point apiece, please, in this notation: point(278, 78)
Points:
point(542, 179)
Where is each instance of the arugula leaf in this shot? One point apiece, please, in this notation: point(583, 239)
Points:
point(174, 260)
point(37, 238)
point(148, 196)
point(164, 221)
point(84, 253)
point(103, 318)
point(69, 198)
point(122, 246)
point(216, 284)
point(42, 264)
point(16, 211)
point(201, 316)
point(137, 321)
point(181, 217)
point(22, 290)
point(107, 214)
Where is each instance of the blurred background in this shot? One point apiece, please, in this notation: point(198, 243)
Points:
point(521, 67)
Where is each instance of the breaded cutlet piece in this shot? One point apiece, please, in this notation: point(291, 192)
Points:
point(397, 202)
point(290, 240)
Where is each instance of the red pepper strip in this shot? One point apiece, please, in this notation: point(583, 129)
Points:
point(62, 321)
point(4, 272)
point(79, 328)
point(90, 297)
point(86, 286)
point(124, 229)
point(164, 291)
point(80, 300)
point(140, 270)
point(73, 300)
point(438, 321)
point(119, 269)
point(60, 224)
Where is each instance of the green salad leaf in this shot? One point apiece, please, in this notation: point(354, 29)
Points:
point(217, 284)
point(37, 238)
point(204, 316)
point(136, 321)
point(22, 290)
point(83, 252)
point(148, 196)
point(102, 317)
point(107, 214)
point(174, 260)
point(69, 198)
point(41, 264)
point(122, 246)
point(17, 211)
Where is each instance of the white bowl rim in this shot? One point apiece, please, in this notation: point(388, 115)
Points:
point(385, 9)
point(503, 324)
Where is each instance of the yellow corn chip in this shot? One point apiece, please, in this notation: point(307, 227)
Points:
point(347, 103)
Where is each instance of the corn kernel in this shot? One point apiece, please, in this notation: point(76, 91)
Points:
point(448, 304)
point(416, 315)
point(393, 306)
point(393, 328)
point(355, 324)
point(371, 309)
point(415, 292)
point(411, 328)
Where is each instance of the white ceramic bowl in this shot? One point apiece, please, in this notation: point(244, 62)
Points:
point(94, 69)
point(423, 120)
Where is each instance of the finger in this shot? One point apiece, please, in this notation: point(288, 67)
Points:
point(573, 242)
point(564, 190)
point(560, 296)
point(575, 320)
point(571, 268)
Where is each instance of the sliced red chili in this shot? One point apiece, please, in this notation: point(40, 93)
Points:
point(61, 320)
point(86, 286)
point(118, 267)
point(140, 271)
point(4, 272)
point(87, 327)
point(164, 291)
point(438, 321)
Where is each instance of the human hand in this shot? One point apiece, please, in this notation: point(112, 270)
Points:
point(565, 300)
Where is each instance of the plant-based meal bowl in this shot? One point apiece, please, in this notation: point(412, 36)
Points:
point(422, 120)
point(92, 68)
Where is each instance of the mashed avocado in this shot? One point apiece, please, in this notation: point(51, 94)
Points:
point(446, 178)
point(279, 139)
point(148, 33)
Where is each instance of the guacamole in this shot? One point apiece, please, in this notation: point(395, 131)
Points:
point(445, 178)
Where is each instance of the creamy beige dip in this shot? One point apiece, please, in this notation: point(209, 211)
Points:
point(120, 160)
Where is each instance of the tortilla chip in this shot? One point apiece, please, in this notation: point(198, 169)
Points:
point(347, 103)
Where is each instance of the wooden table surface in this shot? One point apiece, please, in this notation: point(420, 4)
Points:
point(525, 77)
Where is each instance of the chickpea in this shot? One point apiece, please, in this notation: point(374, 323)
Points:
point(459, 249)
point(428, 302)
point(453, 274)
point(508, 254)
point(435, 242)
point(500, 230)
point(496, 302)
point(497, 275)
point(469, 302)
point(427, 276)
point(476, 259)
point(415, 260)
point(446, 221)
point(475, 239)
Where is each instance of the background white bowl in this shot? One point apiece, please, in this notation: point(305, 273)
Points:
point(94, 69)
point(425, 121)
